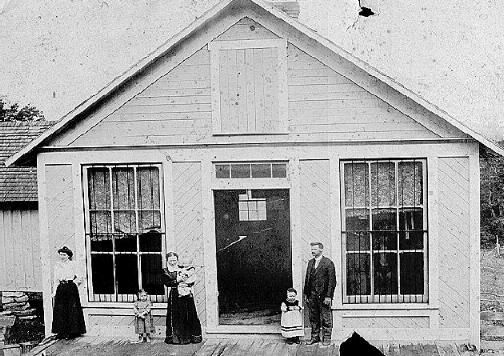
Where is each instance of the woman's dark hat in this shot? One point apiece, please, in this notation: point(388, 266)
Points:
point(66, 250)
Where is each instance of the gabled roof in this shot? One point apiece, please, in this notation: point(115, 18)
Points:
point(18, 184)
point(199, 23)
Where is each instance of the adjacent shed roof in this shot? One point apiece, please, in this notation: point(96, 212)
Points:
point(18, 184)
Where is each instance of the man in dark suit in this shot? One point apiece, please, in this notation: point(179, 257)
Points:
point(318, 290)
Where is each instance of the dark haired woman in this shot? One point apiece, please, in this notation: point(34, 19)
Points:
point(68, 319)
point(182, 323)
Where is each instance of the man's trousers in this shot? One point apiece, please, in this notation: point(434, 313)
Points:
point(320, 316)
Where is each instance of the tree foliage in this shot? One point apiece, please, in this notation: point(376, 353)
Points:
point(14, 112)
point(492, 197)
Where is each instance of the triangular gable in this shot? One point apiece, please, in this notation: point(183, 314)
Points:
point(220, 18)
point(322, 103)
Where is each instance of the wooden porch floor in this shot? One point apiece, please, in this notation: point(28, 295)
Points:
point(226, 347)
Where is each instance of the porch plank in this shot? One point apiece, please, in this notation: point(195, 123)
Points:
point(267, 347)
point(410, 350)
point(393, 349)
point(230, 347)
point(209, 347)
point(447, 350)
point(429, 350)
point(244, 347)
point(304, 350)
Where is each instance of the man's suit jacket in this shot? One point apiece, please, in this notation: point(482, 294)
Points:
point(322, 280)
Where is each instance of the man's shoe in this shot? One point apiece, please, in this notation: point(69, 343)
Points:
point(313, 341)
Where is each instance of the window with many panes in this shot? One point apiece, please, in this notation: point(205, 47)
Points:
point(124, 232)
point(384, 232)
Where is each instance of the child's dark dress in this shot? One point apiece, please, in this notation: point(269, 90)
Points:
point(144, 325)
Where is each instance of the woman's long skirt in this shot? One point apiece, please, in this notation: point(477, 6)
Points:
point(182, 323)
point(68, 319)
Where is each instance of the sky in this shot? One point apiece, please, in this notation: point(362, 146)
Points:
point(54, 54)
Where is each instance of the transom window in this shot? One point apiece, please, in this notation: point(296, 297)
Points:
point(251, 170)
point(124, 232)
point(384, 232)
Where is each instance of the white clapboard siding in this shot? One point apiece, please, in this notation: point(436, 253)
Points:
point(454, 242)
point(322, 104)
point(188, 227)
point(336, 103)
point(246, 29)
point(20, 250)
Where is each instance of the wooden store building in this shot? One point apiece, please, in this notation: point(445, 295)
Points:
point(236, 143)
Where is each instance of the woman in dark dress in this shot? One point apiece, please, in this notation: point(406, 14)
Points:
point(182, 323)
point(68, 319)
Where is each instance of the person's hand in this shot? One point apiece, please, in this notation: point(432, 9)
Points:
point(327, 301)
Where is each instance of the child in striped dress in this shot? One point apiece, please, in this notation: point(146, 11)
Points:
point(292, 319)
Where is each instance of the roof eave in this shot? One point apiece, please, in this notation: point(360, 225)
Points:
point(207, 16)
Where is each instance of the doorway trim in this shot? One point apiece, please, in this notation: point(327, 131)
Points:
point(209, 184)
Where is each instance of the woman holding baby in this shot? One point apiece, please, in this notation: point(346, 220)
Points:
point(182, 323)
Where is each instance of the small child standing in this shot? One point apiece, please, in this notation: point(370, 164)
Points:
point(292, 320)
point(144, 323)
point(187, 276)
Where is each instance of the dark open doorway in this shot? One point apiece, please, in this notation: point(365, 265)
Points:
point(252, 229)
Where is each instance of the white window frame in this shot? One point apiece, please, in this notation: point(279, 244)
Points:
point(396, 298)
point(215, 47)
point(109, 298)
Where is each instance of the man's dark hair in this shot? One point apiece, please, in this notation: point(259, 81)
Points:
point(319, 244)
point(291, 290)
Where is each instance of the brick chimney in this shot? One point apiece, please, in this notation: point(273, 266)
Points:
point(291, 8)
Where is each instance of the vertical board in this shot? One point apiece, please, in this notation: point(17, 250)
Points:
point(249, 77)
point(315, 199)
point(188, 221)
point(60, 212)
point(20, 250)
point(454, 242)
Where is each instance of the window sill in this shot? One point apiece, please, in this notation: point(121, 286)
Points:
point(120, 305)
point(389, 306)
point(250, 133)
